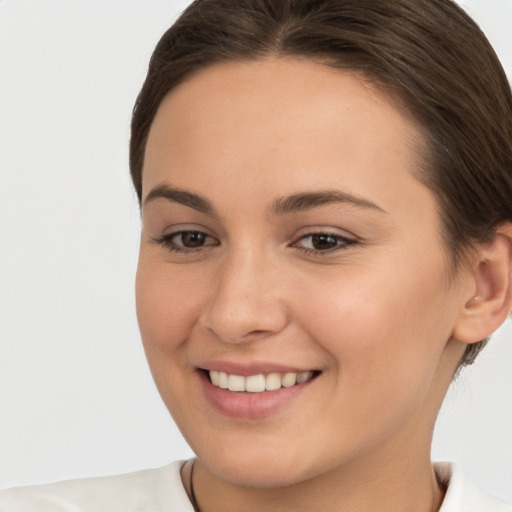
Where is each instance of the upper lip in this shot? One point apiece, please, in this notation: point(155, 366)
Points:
point(251, 368)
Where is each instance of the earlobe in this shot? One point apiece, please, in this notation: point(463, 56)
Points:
point(491, 301)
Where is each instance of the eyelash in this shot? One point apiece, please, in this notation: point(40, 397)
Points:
point(168, 242)
point(342, 242)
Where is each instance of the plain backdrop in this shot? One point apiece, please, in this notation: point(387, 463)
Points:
point(76, 396)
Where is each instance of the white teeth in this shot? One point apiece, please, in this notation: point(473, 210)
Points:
point(223, 380)
point(255, 383)
point(236, 383)
point(258, 383)
point(273, 381)
point(214, 376)
point(289, 380)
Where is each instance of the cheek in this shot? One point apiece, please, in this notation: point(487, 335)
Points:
point(384, 329)
point(168, 305)
point(384, 338)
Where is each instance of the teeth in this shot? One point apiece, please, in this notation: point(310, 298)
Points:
point(214, 376)
point(303, 377)
point(273, 381)
point(255, 383)
point(223, 380)
point(236, 383)
point(289, 380)
point(258, 383)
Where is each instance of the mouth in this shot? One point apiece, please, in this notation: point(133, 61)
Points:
point(257, 391)
point(259, 383)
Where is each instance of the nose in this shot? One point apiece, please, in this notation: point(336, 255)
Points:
point(247, 302)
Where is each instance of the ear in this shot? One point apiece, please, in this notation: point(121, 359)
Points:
point(490, 298)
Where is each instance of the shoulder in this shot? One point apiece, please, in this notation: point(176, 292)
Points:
point(155, 490)
point(462, 495)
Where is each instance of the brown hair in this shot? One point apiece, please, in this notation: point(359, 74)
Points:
point(427, 53)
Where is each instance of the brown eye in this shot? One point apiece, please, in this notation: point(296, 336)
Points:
point(187, 241)
point(323, 242)
point(191, 239)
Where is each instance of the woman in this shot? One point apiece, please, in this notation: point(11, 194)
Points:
point(325, 191)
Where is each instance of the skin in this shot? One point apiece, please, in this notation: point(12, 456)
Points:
point(376, 316)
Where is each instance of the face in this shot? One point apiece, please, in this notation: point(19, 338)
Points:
point(289, 254)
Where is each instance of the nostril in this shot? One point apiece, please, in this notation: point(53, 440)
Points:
point(256, 333)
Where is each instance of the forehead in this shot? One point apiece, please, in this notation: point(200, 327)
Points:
point(297, 123)
point(260, 90)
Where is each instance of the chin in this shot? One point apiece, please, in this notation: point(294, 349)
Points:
point(258, 468)
point(255, 475)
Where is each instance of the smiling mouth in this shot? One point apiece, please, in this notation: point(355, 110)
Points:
point(259, 383)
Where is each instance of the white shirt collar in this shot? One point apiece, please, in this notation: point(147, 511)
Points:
point(462, 495)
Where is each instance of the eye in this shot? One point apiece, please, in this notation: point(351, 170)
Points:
point(320, 243)
point(187, 241)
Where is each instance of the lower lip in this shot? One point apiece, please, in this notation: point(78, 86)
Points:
point(250, 406)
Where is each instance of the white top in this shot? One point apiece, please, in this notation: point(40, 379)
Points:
point(161, 490)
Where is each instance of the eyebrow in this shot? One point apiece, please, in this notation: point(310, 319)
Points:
point(176, 195)
point(309, 200)
point(283, 205)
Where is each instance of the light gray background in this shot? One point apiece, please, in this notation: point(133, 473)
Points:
point(76, 396)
